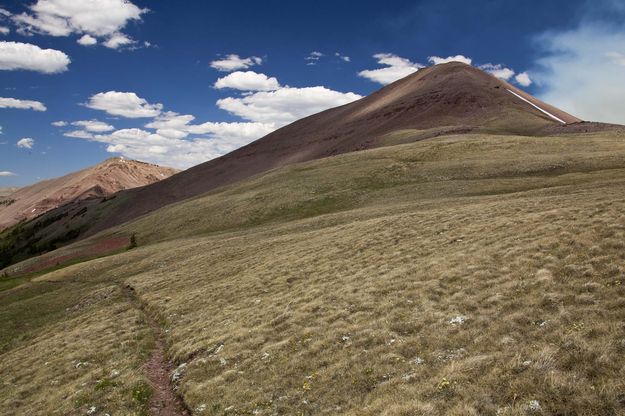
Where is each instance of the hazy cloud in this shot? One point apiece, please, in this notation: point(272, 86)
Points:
point(580, 69)
point(616, 57)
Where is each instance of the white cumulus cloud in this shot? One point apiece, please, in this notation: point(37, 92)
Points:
point(25, 143)
point(395, 68)
point(171, 124)
point(97, 18)
point(117, 40)
point(285, 105)
point(248, 81)
point(177, 140)
point(4, 30)
point(125, 104)
point(234, 62)
point(436, 60)
point(87, 40)
point(17, 56)
point(498, 71)
point(21, 104)
point(59, 123)
point(523, 79)
point(240, 130)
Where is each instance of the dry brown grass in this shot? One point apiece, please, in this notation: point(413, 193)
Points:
point(346, 309)
point(71, 342)
point(392, 285)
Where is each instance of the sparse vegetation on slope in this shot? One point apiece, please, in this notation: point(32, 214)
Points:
point(464, 275)
point(71, 345)
point(50, 231)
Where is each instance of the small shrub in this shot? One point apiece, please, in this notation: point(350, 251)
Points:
point(105, 383)
point(141, 394)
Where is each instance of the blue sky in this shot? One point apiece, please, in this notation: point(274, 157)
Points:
point(178, 83)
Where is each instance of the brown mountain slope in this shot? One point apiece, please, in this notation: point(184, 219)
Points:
point(444, 99)
point(452, 96)
point(102, 180)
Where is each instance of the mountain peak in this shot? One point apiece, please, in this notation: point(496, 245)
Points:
point(101, 180)
point(457, 94)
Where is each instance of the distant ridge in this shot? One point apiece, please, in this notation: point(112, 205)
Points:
point(98, 181)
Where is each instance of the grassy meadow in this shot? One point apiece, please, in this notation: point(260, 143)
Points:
point(462, 275)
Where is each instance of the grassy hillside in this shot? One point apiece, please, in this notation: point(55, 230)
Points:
point(463, 275)
point(388, 179)
point(67, 346)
